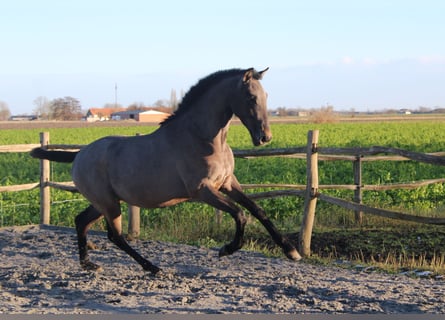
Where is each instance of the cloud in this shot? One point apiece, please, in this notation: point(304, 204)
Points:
point(347, 60)
point(370, 61)
point(432, 59)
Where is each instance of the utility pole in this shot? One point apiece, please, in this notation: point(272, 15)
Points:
point(115, 94)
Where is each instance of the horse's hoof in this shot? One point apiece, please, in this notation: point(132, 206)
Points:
point(155, 270)
point(293, 255)
point(89, 266)
point(224, 252)
point(147, 266)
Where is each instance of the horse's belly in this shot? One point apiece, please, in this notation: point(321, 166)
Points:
point(152, 202)
point(153, 195)
point(171, 202)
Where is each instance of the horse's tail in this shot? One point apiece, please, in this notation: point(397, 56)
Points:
point(58, 156)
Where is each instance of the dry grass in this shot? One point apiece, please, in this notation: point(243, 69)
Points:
point(324, 115)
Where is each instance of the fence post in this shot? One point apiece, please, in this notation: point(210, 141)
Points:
point(45, 201)
point(357, 168)
point(134, 220)
point(310, 201)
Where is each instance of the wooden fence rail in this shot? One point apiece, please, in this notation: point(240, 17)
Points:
point(311, 191)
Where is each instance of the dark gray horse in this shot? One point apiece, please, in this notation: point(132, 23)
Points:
point(186, 158)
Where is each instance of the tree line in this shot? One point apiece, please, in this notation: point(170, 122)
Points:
point(69, 108)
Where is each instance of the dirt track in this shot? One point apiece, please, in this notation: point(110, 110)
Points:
point(40, 273)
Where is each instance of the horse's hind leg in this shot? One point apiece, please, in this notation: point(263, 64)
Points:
point(114, 227)
point(83, 221)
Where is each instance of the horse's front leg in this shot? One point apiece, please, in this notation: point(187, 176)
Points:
point(212, 197)
point(236, 194)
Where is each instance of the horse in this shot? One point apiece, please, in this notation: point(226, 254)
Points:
point(186, 158)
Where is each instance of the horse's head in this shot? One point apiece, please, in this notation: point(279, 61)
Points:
point(251, 108)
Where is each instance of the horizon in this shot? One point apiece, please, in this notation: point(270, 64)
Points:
point(291, 112)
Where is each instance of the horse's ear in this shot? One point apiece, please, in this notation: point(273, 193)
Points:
point(248, 75)
point(251, 73)
point(261, 73)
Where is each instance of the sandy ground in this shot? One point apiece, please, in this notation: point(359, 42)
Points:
point(39, 273)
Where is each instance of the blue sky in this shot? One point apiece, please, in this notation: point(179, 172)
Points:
point(362, 55)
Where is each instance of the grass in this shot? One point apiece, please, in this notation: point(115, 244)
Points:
point(391, 249)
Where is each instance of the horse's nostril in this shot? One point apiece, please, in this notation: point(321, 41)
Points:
point(266, 138)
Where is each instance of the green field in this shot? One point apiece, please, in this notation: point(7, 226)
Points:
point(422, 136)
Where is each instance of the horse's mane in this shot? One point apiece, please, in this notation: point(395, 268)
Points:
point(201, 87)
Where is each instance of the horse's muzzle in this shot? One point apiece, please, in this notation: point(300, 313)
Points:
point(266, 138)
point(262, 138)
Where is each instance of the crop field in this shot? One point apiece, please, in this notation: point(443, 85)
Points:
point(421, 136)
point(18, 208)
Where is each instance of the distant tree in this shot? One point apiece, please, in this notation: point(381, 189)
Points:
point(42, 107)
point(5, 113)
point(136, 106)
point(161, 103)
point(67, 108)
point(423, 109)
point(173, 100)
point(390, 111)
point(352, 112)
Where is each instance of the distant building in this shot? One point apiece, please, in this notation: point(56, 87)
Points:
point(101, 114)
point(140, 115)
point(23, 118)
point(405, 111)
point(105, 114)
point(125, 115)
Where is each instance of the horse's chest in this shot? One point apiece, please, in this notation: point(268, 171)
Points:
point(219, 170)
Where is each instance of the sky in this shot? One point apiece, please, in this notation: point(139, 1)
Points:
point(354, 55)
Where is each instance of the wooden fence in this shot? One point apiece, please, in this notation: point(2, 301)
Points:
point(311, 191)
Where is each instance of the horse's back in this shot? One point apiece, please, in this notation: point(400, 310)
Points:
point(139, 170)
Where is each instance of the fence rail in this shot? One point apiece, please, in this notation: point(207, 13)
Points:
point(311, 191)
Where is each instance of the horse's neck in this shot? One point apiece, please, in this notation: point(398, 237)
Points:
point(210, 123)
point(209, 117)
